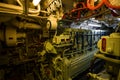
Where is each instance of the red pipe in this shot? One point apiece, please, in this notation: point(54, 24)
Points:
point(110, 5)
point(94, 7)
point(80, 3)
point(79, 8)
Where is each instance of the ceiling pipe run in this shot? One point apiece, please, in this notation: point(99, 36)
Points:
point(91, 4)
point(108, 4)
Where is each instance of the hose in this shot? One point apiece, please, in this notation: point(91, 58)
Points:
point(9, 8)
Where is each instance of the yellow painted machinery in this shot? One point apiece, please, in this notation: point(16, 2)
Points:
point(33, 48)
point(109, 51)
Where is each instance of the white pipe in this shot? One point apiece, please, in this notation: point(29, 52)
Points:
point(18, 1)
point(30, 10)
point(10, 11)
point(34, 10)
point(9, 8)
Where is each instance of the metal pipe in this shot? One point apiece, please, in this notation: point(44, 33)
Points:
point(26, 25)
point(108, 4)
point(95, 76)
point(32, 11)
point(64, 52)
point(102, 56)
point(10, 8)
point(25, 7)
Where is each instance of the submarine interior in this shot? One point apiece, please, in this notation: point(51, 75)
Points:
point(59, 39)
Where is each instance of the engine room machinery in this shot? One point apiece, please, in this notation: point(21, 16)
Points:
point(109, 51)
point(33, 47)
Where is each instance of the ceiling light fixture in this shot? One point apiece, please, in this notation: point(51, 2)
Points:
point(36, 2)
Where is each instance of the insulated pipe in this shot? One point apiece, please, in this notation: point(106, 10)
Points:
point(29, 25)
point(93, 7)
point(78, 9)
point(10, 6)
point(114, 8)
point(13, 9)
point(106, 2)
point(30, 10)
point(26, 25)
point(102, 56)
point(25, 7)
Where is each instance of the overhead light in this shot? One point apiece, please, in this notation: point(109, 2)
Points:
point(36, 2)
point(94, 25)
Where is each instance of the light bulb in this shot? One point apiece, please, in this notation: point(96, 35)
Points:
point(36, 2)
